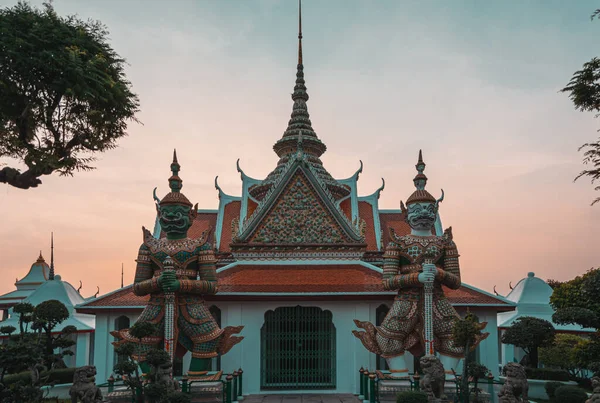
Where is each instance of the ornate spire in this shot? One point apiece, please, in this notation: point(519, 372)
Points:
point(175, 180)
point(121, 275)
point(420, 180)
point(175, 184)
point(420, 195)
point(299, 122)
point(300, 119)
point(40, 259)
point(51, 274)
point(299, 32)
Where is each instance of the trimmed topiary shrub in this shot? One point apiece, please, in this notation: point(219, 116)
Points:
point(551, 388)
point(570, 394)
point(58, 376)
point(411, 397)
point(63, 375)
point(547, 374)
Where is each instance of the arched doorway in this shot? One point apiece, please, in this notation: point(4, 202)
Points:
point(298, 349)
point(122, 322)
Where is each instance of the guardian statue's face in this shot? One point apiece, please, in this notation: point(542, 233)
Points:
point(421, 216)
point(175, 220)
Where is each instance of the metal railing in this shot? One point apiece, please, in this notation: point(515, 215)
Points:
point(369, 386)
point(231, 386)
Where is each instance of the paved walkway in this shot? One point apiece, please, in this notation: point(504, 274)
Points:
point(301, 398)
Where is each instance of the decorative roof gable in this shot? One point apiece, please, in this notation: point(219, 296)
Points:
point(298, 210)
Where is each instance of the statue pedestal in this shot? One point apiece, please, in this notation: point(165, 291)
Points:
point(389, 385)
point(450, 392)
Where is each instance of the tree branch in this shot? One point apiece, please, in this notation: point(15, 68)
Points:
point(18, 179)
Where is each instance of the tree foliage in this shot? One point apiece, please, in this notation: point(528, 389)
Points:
point(465, 333)
point(576, 301)
point(149, 386)
point(28, 350)
point(564, 353)
point(584, 92)
point(530, 333)
point(46, 316)
point(63, 93)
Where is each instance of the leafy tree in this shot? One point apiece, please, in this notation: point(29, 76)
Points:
point(565, 353)
point(576, 302)
point(25, 312)
point(477, 371)
point(155, 390)
point(46, 317)
point(584, 91)
point(553, 283)
point(63, 93)
point(22, 352)
point(530, 334)
point(466, 332)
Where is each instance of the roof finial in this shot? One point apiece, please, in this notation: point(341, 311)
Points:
point(175, 180)
point(121, 275)
point(420, 180)
point(51, 274)
point(299, 31)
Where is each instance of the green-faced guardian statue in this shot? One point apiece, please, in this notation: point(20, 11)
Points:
point(194, 275)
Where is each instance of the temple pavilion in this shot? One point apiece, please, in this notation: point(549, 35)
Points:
point(36, 276)
point(300, 257)
point(42, 284)
point(532, 298)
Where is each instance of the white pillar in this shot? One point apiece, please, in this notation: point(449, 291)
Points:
point(82, 349)
point(103, 349)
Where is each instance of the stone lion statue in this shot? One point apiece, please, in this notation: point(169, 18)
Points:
point(84, 388)
point(433, 378)
point(595, 397)
point(515, 388)
point(163, 376)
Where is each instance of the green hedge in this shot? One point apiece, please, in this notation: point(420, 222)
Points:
point(58, 376)
point(411, 397)
point(551, 388)
point(570, 394)
point(547, 374)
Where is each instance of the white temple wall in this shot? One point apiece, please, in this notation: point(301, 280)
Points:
point(104, 352)
point(350, 354)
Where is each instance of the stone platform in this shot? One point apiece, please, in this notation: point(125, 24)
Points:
point(302, 398)
point(389, 389)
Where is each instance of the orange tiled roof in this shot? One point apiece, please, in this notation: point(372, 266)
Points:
point(365, 211)
point(346, 207)
point(300, 279)
point(256, 279)
point(232, 210)
point(395, 221)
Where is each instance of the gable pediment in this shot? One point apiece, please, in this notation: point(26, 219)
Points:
point(299, 212)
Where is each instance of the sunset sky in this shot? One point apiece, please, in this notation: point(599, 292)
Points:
point(472, 83)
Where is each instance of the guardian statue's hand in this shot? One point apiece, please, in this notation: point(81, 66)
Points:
point(428, 273)
point(168, 281)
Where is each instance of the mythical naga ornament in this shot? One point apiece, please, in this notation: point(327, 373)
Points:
point(183, 267)
point(417, 265)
